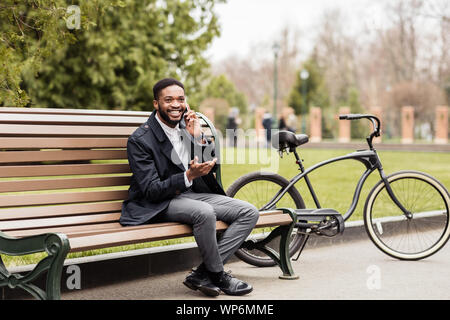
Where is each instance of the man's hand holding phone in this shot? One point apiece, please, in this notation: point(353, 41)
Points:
point(192, 122)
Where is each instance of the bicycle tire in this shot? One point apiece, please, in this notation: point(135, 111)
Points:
point(394, 234)
point(236, 190)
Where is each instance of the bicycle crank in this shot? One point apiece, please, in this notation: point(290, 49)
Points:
point(322, 222)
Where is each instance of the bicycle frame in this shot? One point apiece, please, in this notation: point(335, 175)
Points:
point(368, 157)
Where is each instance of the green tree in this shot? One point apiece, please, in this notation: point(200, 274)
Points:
point(220, 94)
point(447, 90)
point(310, 91)
point(220, 87)
point(30, 32)
point(116, 59)
point(358, 129)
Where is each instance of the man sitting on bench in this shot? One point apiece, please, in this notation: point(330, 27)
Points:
point(172, 183)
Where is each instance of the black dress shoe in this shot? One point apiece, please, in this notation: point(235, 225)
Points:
point(199, 280)
point(232, 286)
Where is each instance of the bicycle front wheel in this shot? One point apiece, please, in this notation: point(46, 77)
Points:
point(258, 189)
point(419, 236)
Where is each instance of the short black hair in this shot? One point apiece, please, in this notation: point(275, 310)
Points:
point(164, 83)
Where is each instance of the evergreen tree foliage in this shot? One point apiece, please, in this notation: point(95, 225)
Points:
point(112, 61)
point(309, 92)
point(221, 87)
point(359, 129)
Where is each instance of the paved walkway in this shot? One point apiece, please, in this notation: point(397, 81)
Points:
point(356, 270)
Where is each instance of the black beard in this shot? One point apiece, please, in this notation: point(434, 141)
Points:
point(166, 118)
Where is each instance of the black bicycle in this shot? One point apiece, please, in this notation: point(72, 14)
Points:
point(406, 214)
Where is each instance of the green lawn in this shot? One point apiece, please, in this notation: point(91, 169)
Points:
point(334, 184)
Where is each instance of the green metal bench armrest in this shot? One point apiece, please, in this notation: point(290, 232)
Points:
point(56, 245)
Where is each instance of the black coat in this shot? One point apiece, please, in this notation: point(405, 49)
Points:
point(158, 174)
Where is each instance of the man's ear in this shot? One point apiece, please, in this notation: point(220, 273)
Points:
point(155, 104)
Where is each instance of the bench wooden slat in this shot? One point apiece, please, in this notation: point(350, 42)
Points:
point(52, 119)
point(91, 229)
point(281, 219)
point(88, 229)
point(62, 197)
point(125, 237)
point(116, 227)
point(63, 169)
point(130, 237)
point(60, 221)
point(53, 184)
point(83, 230)
point(87, 112)
point(61, 143)
point(60, 130)
point(58, 210)
point(61, 155)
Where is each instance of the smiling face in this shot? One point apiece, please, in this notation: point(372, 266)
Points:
point(170, 105)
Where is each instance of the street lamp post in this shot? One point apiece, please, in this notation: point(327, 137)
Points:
point(276, 50)
point(304, 75)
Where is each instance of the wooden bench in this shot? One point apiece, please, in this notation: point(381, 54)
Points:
point(63, 177)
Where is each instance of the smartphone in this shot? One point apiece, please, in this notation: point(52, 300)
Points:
point(183, 116)
point(187, 107)
point(186, 103)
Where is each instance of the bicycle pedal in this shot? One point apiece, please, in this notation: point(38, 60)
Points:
point(323, 222)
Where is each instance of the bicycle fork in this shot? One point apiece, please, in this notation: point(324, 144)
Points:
point(391, 194)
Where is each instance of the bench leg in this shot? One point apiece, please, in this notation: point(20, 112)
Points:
point(282, 258)
point(55, 245)
point(285, 257)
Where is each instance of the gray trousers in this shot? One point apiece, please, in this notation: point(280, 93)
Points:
point(201, 210)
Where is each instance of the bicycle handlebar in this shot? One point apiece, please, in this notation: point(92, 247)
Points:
point(375, 121)
point(353, 116)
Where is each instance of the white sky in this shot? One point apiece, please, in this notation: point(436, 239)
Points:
point(245, 23)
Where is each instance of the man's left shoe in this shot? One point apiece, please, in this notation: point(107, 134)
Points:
point(199, 280)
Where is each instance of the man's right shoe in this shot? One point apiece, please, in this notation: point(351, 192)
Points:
point(199, 280)
point(231, 285)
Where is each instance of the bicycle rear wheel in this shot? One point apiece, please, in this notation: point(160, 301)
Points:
point(259, 188)
point(408, 238)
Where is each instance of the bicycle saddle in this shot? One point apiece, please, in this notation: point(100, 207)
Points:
point(287, 139)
